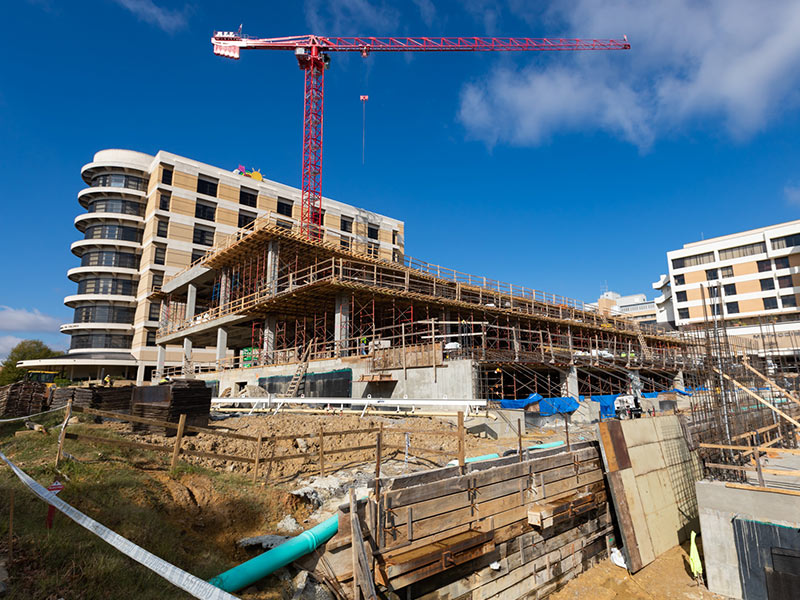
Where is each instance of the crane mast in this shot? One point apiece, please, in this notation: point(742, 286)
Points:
point(312, 54)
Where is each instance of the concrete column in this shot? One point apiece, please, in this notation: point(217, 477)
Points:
point(341, 325)
point(222, 346)
point(678, 382)
point(191, 300)
point(187, 358)
point(273, 250)
point(269, 339)
point(224, 287)
point(569, 382)
point(140, 374)
point(160, 359)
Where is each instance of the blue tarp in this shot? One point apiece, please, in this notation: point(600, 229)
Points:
point(547, 406)
point(607, 410)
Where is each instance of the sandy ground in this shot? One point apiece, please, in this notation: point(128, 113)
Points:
point(668, 577)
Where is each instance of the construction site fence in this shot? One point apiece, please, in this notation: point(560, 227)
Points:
point(265, 449)
point(407, 274)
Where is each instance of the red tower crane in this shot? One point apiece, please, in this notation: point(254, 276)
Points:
point(312, 54)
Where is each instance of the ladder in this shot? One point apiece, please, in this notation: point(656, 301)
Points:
point(300, 373)
point(642, 342)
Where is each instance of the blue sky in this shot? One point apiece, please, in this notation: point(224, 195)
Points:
point(564, 172)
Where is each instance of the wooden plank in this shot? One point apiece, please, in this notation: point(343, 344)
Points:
point(362, 575)
point(762, 448)
point(623, 512)
point(435, 568)
point(615, 450)
point(788, 472)
point(757, 488)
point(176, 452)
point(758, 398)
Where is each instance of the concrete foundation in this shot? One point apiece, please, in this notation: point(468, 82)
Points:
point(718, 505)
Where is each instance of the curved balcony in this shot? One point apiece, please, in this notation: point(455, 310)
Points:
point(83, 220)
point(70, 328)
point(86, 195)
point(117, 160)
point(75, 273)
point(80, 247)
point(74, 299)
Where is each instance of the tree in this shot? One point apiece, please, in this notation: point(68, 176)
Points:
point(25, 350)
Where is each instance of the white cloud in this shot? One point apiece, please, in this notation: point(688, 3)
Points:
point(351, 17)
point(164, 18)
point(427, 11)
point(729, 64)
point(792, 194)
point(7, 343)
point(20, 319)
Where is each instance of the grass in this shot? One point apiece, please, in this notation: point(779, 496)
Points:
point(131, 492)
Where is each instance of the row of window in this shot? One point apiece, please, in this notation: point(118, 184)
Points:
point(729, 289)
point(739, 252)
point(119, 180)
point(104, 313)
point(732, 308)
point(786, 241)
point(116, 205)
point(107, 285)
point(110, 258)
point(101, 340)
point(106, 231)
point(723, 272)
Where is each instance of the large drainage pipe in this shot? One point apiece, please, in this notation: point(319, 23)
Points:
point(270, 561)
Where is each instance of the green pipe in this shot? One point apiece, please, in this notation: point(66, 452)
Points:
point(262, 565)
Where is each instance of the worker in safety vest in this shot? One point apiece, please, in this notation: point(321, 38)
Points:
point(364, 344)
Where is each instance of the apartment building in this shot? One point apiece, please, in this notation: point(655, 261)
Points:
point(634, 306)
point(749, 281)
point(147, 218)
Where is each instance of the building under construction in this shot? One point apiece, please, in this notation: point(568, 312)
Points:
point(279, 304)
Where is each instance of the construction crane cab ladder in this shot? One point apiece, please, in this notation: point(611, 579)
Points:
point(312, 52)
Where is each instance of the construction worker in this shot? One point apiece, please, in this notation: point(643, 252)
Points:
point(363, 345)
point(107, 381)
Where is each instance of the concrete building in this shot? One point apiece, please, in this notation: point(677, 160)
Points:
point(635, 306)
point(748, 281)
point(149, 217)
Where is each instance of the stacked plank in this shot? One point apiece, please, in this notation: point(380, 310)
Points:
point(168, 402)
point(543, 520)
point(61, 396)
point(23, 398)
point(102, 398)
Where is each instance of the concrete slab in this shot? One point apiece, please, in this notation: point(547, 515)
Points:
point(667, 428)
point(638, 432)
point(640, 532)
point(646, 458)
point(663, 527)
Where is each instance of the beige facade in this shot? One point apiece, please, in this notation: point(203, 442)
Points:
point(748, 281)
point(150, 217)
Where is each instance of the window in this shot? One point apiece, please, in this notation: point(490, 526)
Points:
point(680, 296)
point(245, 218)
point(372, 232)
point(346, 224)
point(692, 261)
point(207, 187)
point(158, 280)
point(151, 337)
point(785, 281)
point(284, 207)
point(116, 205)
point(732, 307)
point(767, 284)
point(197, 255)
point(713, 292)
point(284, 224)
point(248, 197)
point(103, 313)
point(106, 285)
point(101, 340)
point(109, 258)
point(763, 265)
point(729, 289)
point(113, 232)
point(786, 241)
point(680, 280)
point(726, 271)
point(160, 255)
point(162, 228)
point(205, 210)
point(372, 250)
point(344, 243)
point(203, 235)
point(714, 309)
point(782, 262)
point(770, 303)
point(711, 274)
point(166, 176)
point(683, 313)
point(121, 181)
point(154, 312)
point(163, 203)
point(789, 301)
point(740, 251)
point(395, 237)
point(317, 216)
